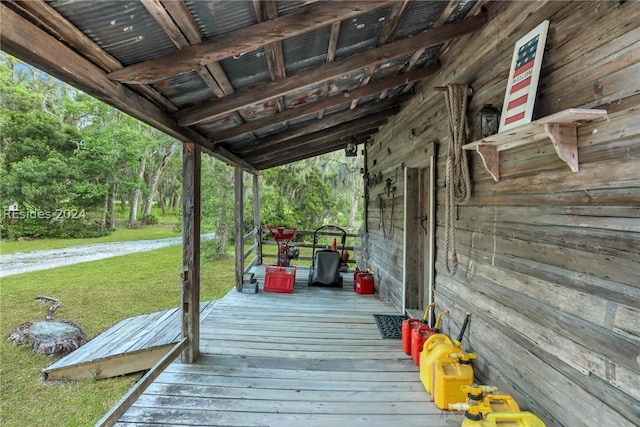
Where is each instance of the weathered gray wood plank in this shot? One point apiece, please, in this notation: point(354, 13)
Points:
point(287, 359)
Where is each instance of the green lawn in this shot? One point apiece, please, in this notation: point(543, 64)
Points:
point(95, 295)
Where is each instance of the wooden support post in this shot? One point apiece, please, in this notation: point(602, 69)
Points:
point(256, 218)
point(190, 294)
point(239, 231)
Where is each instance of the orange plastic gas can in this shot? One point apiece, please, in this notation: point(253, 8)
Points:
point(418, 337)
point(408, 325)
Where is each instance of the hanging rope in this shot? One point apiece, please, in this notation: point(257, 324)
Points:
point(391, 230)
point(457, 181)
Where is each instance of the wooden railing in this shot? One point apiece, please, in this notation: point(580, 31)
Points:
point(111, 417)
point(255, 249)
point(352, 242)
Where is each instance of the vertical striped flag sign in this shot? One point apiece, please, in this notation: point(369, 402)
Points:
point(522, 85)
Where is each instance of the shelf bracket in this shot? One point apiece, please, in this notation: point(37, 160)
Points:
point(565, 140)
point(491, 158)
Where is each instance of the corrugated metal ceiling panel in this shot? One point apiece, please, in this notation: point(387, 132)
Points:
point(361, 33)
point(247, 69)
point(184, 90)
point(421, 15)
point(124, 29)
point(216, 18)
point(306, 50)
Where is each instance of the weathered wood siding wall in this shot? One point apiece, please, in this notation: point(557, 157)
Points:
point(549, 259)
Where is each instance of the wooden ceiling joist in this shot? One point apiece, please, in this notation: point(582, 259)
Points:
point(391, 25)
point(334, 34)
point(259, 153)
point(263, 92)
point(245, 40)
point(328, 103)
point(327, 122)
point(21, 38)
point(266, 10)
point(295, 156)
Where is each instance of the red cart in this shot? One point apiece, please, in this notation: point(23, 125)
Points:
point(281, 277)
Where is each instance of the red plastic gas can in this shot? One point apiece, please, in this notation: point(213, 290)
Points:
point(364, 283)
point(418, 336)
point(408, 325)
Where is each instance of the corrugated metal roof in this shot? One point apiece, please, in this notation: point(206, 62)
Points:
point(185, 89)
point(361, 33)
point(124, 29)
point(289, 6)
point(216, 18)
point(247, 69)
point(306, 50)
point(420, 16)
point(129, 33)
point(461, 10)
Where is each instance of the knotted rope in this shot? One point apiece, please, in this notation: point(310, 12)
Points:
point(457, 181)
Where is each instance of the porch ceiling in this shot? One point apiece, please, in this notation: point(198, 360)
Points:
point(255, 83)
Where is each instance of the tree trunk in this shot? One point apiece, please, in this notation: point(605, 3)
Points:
point(162, 205)
point(176, 201)
point(113, 188)
point(137, 194)
point(105, 208)
point(155, 179)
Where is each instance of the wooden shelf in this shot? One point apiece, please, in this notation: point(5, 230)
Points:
point(561, 128)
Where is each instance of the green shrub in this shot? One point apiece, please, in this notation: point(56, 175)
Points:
point(33, 228)
point(150, 220)
point(212, 249)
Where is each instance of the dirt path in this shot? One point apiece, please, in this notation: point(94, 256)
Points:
point(18, 263)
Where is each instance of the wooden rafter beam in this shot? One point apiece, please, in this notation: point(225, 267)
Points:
point(327, 122)
point(184, 20)
point(61, 29)
point(259, 152)
point(24, 40)
point(310, 18)
point(267, 10)
point(295, 156)
point(391, 24)
point(331, 56)
point(184, 31)
point(394, 21)
point(265, 91)
point(327, 103)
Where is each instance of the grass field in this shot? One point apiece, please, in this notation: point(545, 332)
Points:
point(95, 295)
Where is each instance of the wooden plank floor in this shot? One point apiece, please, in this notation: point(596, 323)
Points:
point(310, 358)
point(133, 344)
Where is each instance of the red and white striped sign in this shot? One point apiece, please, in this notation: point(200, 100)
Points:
point(523, 78)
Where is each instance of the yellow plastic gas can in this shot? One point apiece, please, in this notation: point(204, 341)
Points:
point(449, 377)
point(436, 347)
point(505, 419)
point(488, 396)
point(501, 403)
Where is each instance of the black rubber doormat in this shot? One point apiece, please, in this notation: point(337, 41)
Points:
point(389, 325)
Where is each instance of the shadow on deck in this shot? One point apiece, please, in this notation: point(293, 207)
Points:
point(310, 358)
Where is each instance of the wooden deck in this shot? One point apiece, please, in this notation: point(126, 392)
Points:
point(133, 344)
point(310, 358)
